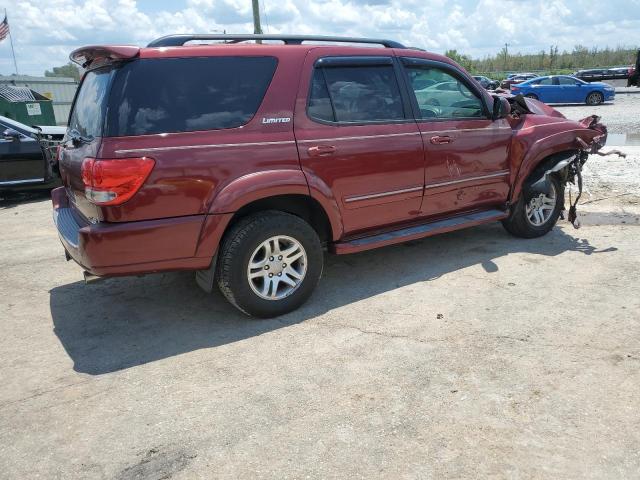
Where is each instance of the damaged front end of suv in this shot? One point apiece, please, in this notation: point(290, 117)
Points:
point(541, 132)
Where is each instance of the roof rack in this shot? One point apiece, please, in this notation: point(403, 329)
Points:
point(180, 39)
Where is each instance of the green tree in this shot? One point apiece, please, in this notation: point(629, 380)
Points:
point(464, 60)
point(68, 70)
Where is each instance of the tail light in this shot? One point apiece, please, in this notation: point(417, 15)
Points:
point(114, 181)
point(58, 156)
point(513, 87)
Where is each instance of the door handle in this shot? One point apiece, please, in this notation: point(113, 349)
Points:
point(441, 140)
point(321, 150)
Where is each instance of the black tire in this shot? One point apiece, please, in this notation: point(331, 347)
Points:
point(532, 95)
point(240, 243)
point(519, 225)
point(594, 98)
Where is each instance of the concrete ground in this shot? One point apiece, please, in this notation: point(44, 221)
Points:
point(468, 355)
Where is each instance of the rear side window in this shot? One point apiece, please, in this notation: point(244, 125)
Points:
point(90, 104)
point(187, 94)
point(355, 94)
point(566, 81)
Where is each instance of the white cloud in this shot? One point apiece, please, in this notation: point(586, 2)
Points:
point(45, 31)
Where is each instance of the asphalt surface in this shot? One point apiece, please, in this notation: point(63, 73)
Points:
point(468, 355)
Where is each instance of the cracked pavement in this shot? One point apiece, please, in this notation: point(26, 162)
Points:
point(468, 355)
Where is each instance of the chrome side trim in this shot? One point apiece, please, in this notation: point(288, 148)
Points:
point(19, 182)
point(216, 145)
point(361, 137)
point(486, 130)
point(381, 194)
point(469, 179)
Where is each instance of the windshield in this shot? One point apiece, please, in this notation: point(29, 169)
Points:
point(90, 104)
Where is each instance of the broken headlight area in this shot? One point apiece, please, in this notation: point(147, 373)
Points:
point(569, 170)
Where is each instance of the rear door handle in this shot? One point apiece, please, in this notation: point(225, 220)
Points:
point(321, 150)
point(441, 140)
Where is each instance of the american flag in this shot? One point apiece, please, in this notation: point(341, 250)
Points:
point(4, 29)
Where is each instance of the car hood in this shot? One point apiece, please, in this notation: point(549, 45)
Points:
point(600, 84)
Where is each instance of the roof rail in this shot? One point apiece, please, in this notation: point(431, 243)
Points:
point(180, 39)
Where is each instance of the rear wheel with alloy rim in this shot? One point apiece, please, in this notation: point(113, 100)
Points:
point(277, 267)
point(269, 263)
point(536, 213)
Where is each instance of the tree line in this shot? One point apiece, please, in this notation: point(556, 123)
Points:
point(552, 61)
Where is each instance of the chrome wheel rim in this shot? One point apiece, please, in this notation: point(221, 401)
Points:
point(540, 208)
point(277, 267)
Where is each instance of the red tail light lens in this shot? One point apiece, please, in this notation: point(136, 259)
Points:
point(114, 181)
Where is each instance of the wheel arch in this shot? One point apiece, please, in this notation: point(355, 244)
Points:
point(539, 161)
point(269, 187)
point(283, 190)
point(300, 205)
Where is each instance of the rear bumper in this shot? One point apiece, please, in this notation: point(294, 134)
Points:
point(131, 248)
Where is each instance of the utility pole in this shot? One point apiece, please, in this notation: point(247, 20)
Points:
point(256, 17)
point(506, 53)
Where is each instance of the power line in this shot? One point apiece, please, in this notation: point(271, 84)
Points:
point(264, 12)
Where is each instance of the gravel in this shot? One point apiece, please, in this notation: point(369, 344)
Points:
point(612, 176)
point(622, 116)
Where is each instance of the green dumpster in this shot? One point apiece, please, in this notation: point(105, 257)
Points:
point(26, 106)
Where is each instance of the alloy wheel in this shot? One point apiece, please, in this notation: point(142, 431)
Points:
point(540, 208)
point(277, 267)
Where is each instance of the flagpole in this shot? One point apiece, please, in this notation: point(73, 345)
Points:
point(13, 52)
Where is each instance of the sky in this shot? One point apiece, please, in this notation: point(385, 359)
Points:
point(46, 31)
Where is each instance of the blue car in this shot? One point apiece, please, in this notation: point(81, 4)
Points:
point(565, 89)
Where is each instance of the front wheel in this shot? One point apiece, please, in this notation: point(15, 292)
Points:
point(535, 213)
point(595, 98)
point(269, 263)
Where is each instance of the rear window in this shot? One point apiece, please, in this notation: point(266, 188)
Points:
point(90, 104)
point(187, 94)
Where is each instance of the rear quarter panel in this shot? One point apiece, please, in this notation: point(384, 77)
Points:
point(192, 168)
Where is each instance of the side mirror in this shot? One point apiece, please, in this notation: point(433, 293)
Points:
point(11, 134)
point(501, 108)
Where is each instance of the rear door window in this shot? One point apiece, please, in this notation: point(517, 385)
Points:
point(567, 81)
point(187, 94)
point(355, 94)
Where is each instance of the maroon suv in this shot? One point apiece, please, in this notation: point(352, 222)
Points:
point(242, 161)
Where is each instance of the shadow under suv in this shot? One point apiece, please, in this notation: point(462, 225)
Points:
point(242, 161)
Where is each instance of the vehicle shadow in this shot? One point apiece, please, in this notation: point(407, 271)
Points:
point(13, 199)
point(125, 322)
